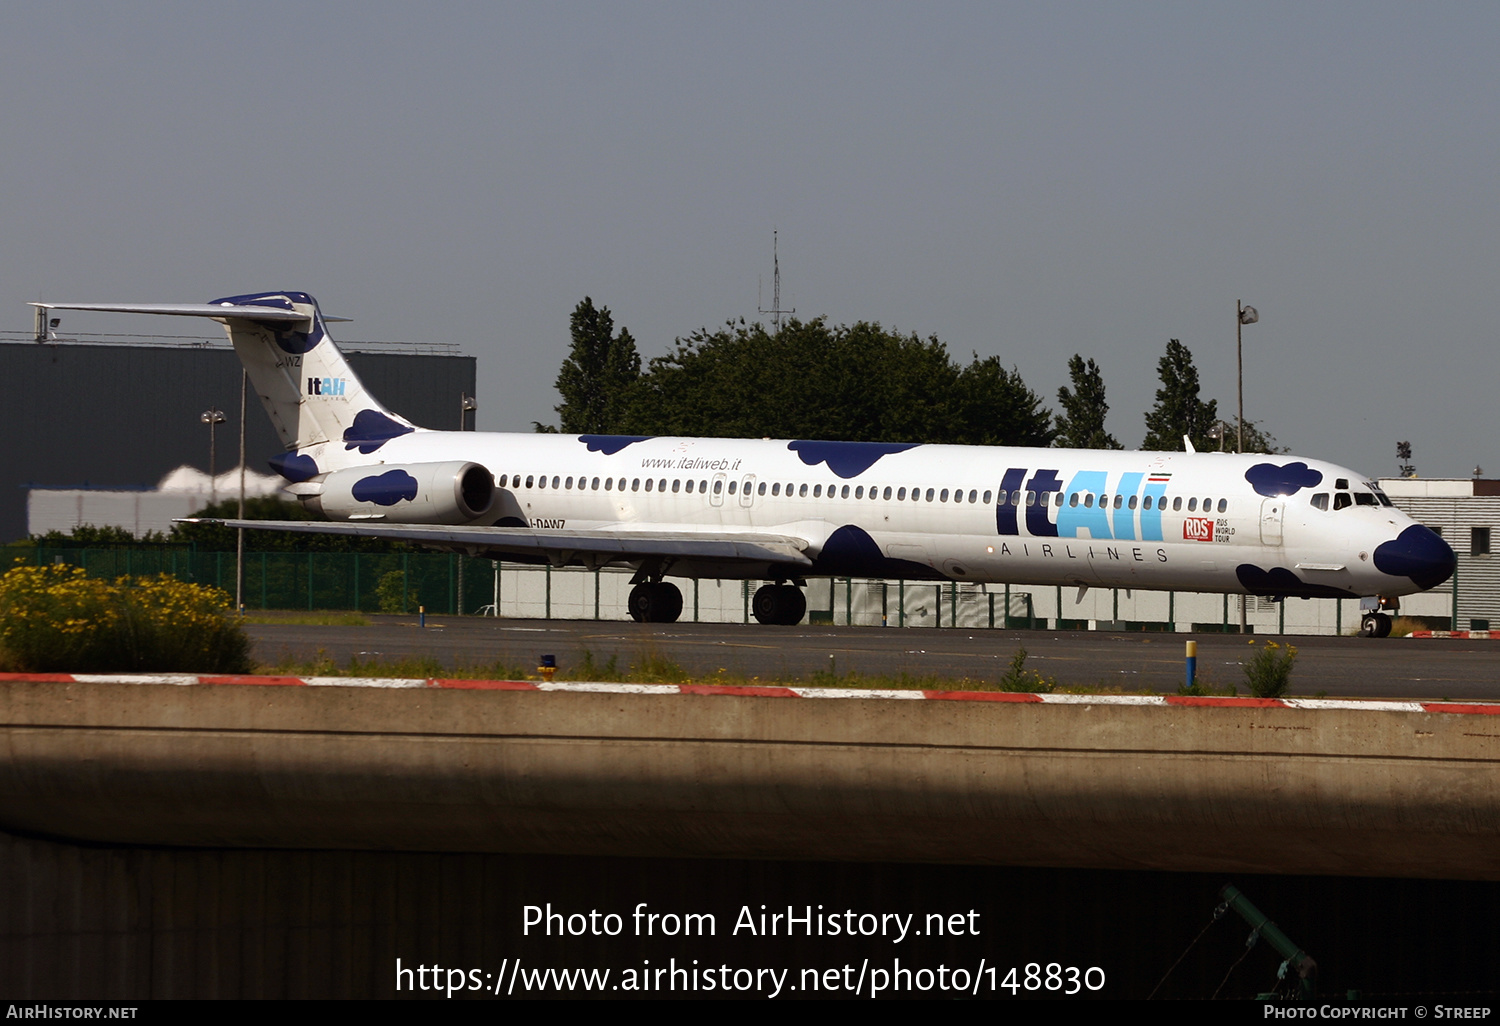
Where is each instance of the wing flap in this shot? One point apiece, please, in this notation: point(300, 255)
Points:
point(624, 545)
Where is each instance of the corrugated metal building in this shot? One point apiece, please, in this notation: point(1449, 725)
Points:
point(101, 414)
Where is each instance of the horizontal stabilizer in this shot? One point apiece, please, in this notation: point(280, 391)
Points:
point(613, 545)
point(249, 313)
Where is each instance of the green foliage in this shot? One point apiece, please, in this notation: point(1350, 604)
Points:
point(58, 619)
point(1018, 678)
point(596, 378)
point(89, 536)
point(218, 538)
point(1178, 410)
point(1256, 439)
point(392, 595)
point(1269, 671)
point(1081, 424)
point(844, 383)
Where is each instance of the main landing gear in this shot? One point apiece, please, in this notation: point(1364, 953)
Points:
point(655, 602)
point(779, 604)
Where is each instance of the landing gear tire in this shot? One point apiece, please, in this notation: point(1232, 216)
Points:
point(655, 602)
point(1375, 625)
point(782, 604)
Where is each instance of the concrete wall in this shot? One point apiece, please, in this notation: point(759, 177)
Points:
point(1229, 788)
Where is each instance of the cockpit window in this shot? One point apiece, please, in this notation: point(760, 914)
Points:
point(1342, 482)
point(1364, 499)
point(1342, 501)
point(1320, 501)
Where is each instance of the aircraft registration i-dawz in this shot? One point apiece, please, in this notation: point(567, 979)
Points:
point(782, 511)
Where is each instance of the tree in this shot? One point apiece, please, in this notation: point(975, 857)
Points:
point(1081, 424)
point(1178, 409)
point(996, 408)
point(218, 538)
point(856, 382)
point(1257, 439)
point(598, 374)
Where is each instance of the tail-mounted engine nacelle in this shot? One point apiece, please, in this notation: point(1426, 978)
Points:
point(414, 493)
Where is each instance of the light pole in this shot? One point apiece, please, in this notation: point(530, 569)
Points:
point(1244, 315)
point(239, 534)
point(467, 404)
point(213, 417)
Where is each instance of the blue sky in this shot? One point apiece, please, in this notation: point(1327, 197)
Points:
point(1027, 180)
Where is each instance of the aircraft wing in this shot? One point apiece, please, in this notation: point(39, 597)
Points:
point(559, 546)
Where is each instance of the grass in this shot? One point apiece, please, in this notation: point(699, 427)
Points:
point(281, 619)
point(323, 665)
point(649, 666)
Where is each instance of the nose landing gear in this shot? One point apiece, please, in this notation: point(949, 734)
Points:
point(1375, 621)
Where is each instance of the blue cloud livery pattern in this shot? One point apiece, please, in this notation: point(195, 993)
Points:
point(1417, 553)
point(846, 459)
point(386, 489)
point(294, 466)
point(290, 341)
point(611, 444)
point(851, 552)
point(1271, 481)
point(371, 430)
point(1280, 581)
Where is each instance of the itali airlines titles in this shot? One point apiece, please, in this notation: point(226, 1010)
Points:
point(782, 511)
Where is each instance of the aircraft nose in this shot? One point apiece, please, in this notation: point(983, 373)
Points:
point(1417, 553)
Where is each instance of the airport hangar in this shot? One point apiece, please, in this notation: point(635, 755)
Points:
point(122, 411)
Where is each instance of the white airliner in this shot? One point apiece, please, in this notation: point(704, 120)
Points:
point(782, 511)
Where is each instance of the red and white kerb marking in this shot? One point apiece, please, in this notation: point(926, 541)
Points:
point(762, 691)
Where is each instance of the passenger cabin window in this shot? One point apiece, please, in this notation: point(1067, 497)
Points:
point(887, 493)
point(1193, 504)
point(731, 486)
point(844, 492)
point(929, 494)
point(1176, 502)
point(802, 492)
point(1223, 505)
point(718, 487)
point(761, 490)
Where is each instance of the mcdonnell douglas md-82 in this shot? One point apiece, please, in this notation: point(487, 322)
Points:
point(781, 511)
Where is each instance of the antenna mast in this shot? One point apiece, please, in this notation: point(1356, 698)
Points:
point(776, 311)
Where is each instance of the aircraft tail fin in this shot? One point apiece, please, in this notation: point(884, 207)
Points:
point(312, 394)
